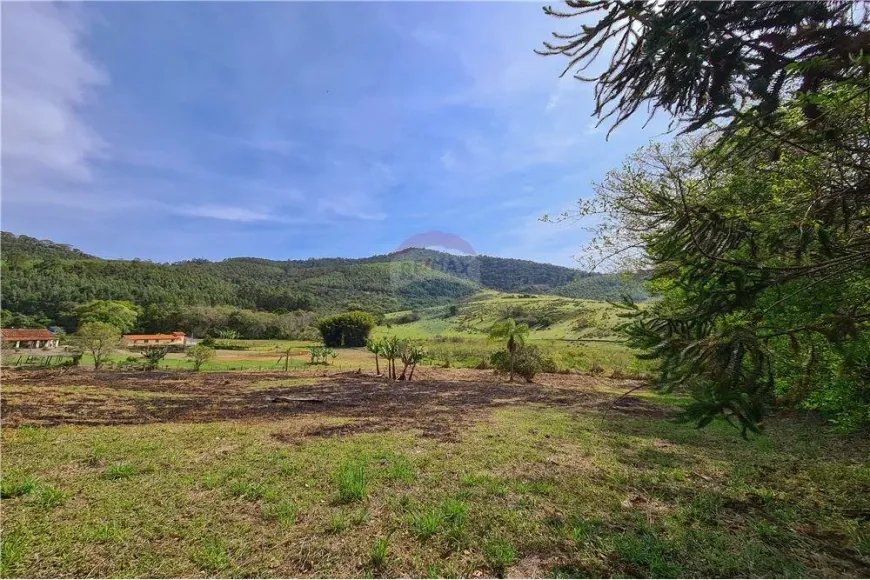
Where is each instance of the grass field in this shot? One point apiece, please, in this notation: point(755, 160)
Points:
point(550, 318)
point(579, 333)
point(137, 474)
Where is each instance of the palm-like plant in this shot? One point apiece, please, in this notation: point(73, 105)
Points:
point(410, 354)
point(416, 354)
point(374, 346)
point(390, 348)
point(513, 333)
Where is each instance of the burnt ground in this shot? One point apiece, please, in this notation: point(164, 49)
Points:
point(436, 405)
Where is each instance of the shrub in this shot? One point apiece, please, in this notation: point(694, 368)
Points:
point(348, 329)
point(551, 363)
point(527, 361)
point(153, 355)
point(199, 354)
point(407, 318)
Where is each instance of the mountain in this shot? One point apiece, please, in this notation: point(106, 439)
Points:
point(13, 246)
point(44, 279)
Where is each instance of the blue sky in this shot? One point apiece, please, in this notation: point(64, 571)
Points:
point(170, 130)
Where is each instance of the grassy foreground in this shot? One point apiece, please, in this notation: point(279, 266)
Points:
point(530, 491)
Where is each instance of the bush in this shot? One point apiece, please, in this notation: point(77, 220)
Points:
point(551, 363)
point(527, 361)
point(407, 318)
point(348, 329)
point(199, 354)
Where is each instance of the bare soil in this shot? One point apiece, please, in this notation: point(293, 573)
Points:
point(439, 405)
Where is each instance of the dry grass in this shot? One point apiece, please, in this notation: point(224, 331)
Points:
point(463, 477)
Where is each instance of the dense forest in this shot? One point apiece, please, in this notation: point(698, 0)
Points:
point(43, 281)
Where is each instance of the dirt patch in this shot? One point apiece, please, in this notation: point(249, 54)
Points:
point(341, 430)
point(435, 406)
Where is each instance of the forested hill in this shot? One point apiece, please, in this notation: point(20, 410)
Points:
point(44, 278)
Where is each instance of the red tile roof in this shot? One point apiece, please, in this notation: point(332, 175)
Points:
point(27, 334)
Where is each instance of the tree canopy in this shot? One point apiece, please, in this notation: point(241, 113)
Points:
point(756, 223)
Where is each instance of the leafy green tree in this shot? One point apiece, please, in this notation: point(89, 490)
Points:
point(15, 320)
point(348, 329)
point(119, 313)
point(374, 347)
point(514, 334)
point(200, 354)
point(98, 338)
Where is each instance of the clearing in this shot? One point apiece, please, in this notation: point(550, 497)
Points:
point(459, 473)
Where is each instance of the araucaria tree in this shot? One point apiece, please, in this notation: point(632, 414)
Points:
point(755, 225)
point(514, 336)
point(98, 338)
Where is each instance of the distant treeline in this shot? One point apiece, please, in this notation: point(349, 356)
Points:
point(43, 280)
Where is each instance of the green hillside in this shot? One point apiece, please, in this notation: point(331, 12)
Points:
point(548, 317)
point(42, 280)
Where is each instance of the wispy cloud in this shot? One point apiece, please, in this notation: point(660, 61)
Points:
point(354, 121)
point(48, 78)
point(448, 160)
point(223, 212)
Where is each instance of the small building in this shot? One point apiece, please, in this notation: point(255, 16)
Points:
point(28, 338)
point(175, 338)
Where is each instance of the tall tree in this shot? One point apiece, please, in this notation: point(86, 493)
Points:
point(702, 62)
point(757, 227)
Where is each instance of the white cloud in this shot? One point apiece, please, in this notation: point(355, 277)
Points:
point(48, 77)
point(351, 204)
point(225, 212)
point(448, 160)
